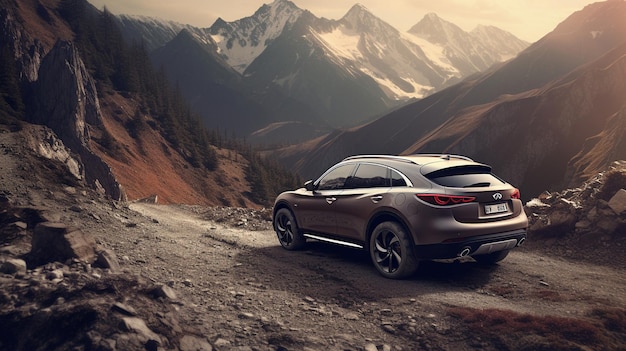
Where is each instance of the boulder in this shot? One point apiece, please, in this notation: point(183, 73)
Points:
point(618, 202)
point(138, 326)
point(54, 241)
point(194, 343)
point(108, 259)
point(13, 266)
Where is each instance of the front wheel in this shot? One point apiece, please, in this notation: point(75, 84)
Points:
point(491, 258)
point(392, 252)
point(287, 230)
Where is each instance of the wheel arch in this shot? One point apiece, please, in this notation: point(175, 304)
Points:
point(385, 216)
point(279, 206)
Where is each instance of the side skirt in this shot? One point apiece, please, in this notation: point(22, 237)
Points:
point(333, 241)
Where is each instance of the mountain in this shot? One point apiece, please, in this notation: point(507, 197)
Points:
point(95, 106)
point(242, 41)
point(151, 32)
point(210, 84)
point(334, 73)
point(550, 116)
point(470, 52)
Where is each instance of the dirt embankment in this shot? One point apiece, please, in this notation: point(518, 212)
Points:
point(235, 288)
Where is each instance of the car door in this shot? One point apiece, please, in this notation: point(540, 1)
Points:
point(315, 211)
point(362, 195)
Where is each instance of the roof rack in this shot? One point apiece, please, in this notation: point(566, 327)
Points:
point(406, 159)
point(444, 156)
point(391, 157)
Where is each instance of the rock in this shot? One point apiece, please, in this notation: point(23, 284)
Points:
point(608, 225)
point(219, 343)
point(165, 292)
point(53, 241)
point(618, 202)
point(138, 326)
point(561, 219)
point(20, 225)
point(124, 309)
point(56, 274)
point(152, 199)
point(13, 266)
point(107, 259)
point(194, 343)
point(582, 225)
point(389, 328)
point(66, 100)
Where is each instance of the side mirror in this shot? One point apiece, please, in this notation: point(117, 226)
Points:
point(308, 185)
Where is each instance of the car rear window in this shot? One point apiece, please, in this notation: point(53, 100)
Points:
point(464, 177)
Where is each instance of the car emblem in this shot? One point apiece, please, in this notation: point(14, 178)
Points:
point(497, 196)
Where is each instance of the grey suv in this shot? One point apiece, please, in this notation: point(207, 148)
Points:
point(403, 209)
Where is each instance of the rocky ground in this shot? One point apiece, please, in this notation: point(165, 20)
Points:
point(214, 278)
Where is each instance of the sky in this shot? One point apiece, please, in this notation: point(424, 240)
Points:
point(527, 19)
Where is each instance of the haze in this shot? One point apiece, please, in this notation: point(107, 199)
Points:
point(527, 19)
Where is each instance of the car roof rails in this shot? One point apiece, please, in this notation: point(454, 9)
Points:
point(444, 156)
point(389, 157)
point(407, 158)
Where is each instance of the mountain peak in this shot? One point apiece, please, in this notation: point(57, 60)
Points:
point(361, 19)
point(253, 34)
point(435, 29)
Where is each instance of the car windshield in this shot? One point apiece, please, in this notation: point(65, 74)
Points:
point(464, 177)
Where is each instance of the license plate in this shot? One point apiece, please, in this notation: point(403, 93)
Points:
point(497, 208)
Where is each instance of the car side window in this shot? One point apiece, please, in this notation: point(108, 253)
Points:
point(397, 179)
point(369, 176)
point(336, 178)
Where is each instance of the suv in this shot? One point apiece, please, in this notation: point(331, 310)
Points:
point(403, 209)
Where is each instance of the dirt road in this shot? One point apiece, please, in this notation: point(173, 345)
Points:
point(244, 292)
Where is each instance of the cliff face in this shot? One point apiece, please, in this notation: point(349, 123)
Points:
point(62, 95)
point(28, 53)
point(65, 95)
point(66, 100)
point(104, 135)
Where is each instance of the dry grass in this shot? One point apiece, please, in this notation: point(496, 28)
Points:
point(605, 329)
point(614, 181)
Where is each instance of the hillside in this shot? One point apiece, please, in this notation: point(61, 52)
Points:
point(543, 119)
point(129, 133)
point(111, 275)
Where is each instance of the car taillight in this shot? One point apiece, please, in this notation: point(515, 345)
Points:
point(515, 194)
point(445, 200)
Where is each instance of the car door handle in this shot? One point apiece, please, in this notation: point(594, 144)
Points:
point(376, 198)
point(330, 200)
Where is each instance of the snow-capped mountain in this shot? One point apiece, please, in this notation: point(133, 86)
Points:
point(241, 41)
point(344, 71)
point(468, 52)
point(403, 67)
point(432, 55)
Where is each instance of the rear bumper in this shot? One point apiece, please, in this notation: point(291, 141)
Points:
point(476, 245)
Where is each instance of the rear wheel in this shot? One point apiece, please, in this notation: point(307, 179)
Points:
point(491, 258)
point(287, 230)
point(392, 252)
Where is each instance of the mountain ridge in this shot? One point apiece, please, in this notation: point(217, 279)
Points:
point(520, 90)
point(377, 66)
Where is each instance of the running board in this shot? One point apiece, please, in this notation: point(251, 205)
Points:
point(333, 241)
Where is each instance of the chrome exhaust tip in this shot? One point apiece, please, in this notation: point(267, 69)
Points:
point(521, 241)
point(464, 252)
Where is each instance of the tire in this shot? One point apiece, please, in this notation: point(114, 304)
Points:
point(287, 230)
point(491, 258)
point(392, 251)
